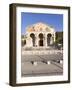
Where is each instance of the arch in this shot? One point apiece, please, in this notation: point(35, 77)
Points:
point(40, 42)
point(48, 39)
point(23, 42)
point(40, 39)
point(32, 35)
point(41, 36)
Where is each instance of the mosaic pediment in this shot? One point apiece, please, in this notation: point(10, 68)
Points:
point(39, 27)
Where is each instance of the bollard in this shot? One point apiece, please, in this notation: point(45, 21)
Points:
point(35, 63)
point(61, 61)
point(48, 62)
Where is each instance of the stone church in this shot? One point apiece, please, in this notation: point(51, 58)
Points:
point(38, 35)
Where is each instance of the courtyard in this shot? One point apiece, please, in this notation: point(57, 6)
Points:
point(41, 64)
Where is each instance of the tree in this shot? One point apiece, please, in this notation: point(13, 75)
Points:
point(59, 38)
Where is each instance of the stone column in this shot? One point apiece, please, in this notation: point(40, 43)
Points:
point(51, 40)
point(36, 40)
point(54, 36)
point(27, 40)
point(45, 40)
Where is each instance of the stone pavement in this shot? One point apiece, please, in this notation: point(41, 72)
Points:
point(39, 65)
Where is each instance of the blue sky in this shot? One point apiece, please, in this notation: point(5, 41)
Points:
point(55, 20)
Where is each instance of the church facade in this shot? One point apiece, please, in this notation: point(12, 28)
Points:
point(38, 35)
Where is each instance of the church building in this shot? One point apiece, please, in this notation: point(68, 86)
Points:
point(38, 35)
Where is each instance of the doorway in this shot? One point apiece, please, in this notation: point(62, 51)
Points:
point(40, 39)
point(40, 42)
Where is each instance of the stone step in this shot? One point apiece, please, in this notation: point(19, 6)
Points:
point(38, 48)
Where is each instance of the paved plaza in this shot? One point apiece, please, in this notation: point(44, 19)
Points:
point(42, 65)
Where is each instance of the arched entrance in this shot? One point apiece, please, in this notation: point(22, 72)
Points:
point(40, 39)
point(33, 38)
point(40, 42)
point(48, 39)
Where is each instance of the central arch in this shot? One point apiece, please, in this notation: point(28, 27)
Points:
point(40, 42)
point(40, 39)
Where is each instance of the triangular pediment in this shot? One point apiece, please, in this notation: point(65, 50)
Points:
point(39, 27)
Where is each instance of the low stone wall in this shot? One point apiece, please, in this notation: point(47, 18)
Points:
point(42, 52)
